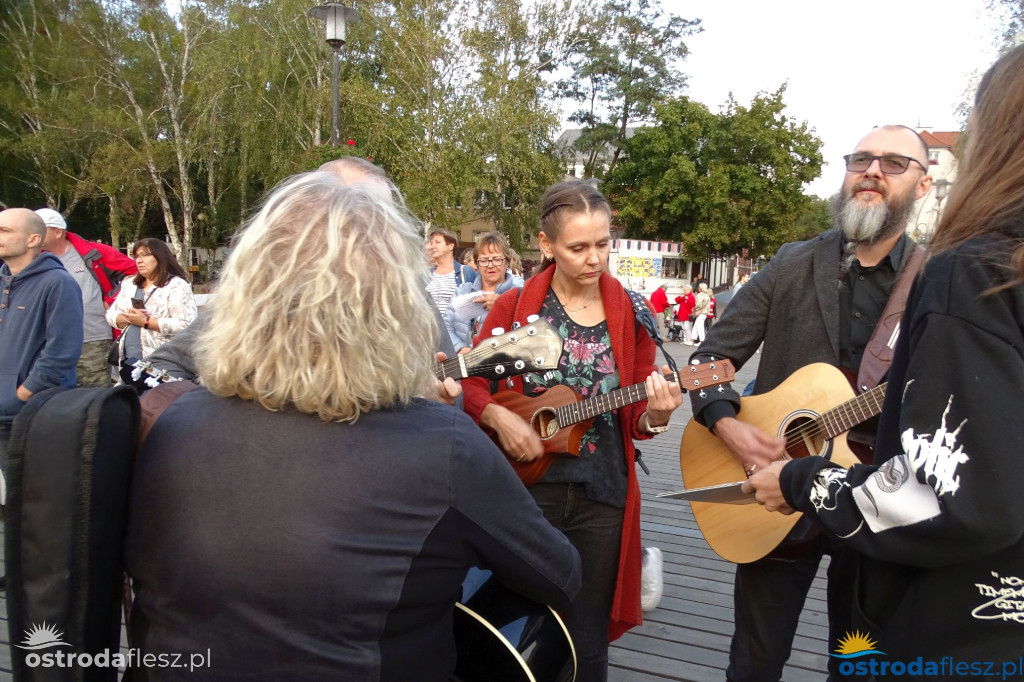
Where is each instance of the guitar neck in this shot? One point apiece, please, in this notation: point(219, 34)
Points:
point(606, 402)
point(844, 417)
point(454, 368)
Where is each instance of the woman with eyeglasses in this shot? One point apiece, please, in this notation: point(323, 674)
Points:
point(463, 318)
point(158, 300)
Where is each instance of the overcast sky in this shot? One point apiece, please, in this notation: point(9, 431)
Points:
point(849, 66)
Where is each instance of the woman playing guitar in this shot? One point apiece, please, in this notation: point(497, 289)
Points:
point(593, 498)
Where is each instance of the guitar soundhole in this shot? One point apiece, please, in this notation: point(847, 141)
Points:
point(804, 437)
point(545, 423)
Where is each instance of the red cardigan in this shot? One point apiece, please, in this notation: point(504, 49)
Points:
point(634, 353)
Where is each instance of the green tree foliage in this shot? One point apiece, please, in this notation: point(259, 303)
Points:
point(719, 183)
point(626, 60)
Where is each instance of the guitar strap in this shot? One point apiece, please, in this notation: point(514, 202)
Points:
point(878, 353)
point(646, 319)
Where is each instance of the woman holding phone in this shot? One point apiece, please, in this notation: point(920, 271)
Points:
point(158, 300)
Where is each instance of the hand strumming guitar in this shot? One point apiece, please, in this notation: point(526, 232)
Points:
point(752, 447)
point(515, 435)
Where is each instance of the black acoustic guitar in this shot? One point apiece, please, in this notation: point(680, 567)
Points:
point(501, 636)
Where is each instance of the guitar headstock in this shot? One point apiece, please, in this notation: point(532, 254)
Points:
point(696, 377)
point(145, 376)
point(533, 347)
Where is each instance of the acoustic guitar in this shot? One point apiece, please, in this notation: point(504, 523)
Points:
point(501, 636)
point(561, 417)
point(812, 409)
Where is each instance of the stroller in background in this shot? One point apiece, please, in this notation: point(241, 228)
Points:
point(675, 330)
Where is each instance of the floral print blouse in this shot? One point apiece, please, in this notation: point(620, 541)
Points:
point(587, 366)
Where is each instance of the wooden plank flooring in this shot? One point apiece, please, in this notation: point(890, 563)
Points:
point(687, 636)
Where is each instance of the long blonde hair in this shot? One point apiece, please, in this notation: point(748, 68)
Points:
point(320, 307)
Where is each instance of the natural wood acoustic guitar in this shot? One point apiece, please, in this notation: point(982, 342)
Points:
point(812, 409)
point(561, 416)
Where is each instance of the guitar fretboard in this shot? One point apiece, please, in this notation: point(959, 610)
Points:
point(844, 417)
point(606, 402)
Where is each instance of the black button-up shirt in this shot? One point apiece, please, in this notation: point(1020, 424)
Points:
point(861, 302)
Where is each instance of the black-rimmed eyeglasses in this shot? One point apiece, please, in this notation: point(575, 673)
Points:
point(486, 262)
point(890, 164)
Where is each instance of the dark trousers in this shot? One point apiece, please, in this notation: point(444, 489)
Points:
point(5, 435)
point(595, 530)
point(768, 597)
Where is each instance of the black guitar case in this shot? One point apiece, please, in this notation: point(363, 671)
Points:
point(68, 473)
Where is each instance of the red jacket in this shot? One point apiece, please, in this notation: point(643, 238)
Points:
point(659, 300)
point(634, 355)
point(109, 266)
point(686, 306)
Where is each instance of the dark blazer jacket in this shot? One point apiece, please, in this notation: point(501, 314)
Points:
point(792, 305)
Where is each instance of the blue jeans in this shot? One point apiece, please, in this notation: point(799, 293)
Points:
point(595, 530)
point(768, 597)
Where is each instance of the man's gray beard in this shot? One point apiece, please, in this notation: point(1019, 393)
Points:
point(869, 225)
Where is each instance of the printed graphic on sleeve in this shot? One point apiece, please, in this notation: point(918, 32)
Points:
point(894, 496)
point(827, 485)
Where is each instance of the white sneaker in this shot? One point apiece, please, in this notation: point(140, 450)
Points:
point(651, 584)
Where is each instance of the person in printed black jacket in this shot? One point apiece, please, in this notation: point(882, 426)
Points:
point(937, 518)
point(320, 515)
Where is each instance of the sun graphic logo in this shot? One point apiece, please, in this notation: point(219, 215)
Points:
point(855, 645)
point(42, 637)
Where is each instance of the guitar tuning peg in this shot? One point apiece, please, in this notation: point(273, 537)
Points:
point(497, 331)
point(532, 318)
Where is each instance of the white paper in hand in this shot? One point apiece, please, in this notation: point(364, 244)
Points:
point(465, 307)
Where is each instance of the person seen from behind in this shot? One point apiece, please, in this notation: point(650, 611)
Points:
point(307, 476)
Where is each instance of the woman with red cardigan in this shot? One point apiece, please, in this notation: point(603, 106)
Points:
point(593, 498)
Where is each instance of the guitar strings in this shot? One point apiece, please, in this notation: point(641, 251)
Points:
point(817, 428)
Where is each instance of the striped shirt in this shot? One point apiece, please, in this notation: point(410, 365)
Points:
point(441, 288)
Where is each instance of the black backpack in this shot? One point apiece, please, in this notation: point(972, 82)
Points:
point(68, 474)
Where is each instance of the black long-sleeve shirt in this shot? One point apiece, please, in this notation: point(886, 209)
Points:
point(938, 517)
point(293, 549)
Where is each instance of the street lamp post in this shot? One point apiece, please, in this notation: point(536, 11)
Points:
point(335, 17)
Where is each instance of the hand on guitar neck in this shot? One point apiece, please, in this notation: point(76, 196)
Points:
point(448, 389)
point(753, 448)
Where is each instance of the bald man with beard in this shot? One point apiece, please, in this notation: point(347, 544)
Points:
point(816, 301)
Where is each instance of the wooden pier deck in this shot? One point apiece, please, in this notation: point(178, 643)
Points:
point(687, 636)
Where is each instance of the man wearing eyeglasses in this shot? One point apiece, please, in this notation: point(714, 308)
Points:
point(821, 300)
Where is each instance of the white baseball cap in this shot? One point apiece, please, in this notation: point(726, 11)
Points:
point(52, 218)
